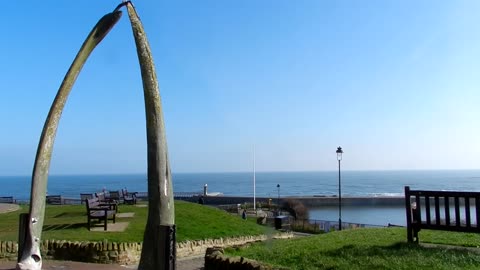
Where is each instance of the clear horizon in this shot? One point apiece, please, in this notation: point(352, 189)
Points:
point(394, 83)
point(249, 172)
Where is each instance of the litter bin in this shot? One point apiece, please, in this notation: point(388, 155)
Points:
point(279, 220)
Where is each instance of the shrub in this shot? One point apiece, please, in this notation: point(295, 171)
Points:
point(296, 209)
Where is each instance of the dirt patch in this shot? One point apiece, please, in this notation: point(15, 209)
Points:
point(111, 227)
point(125, 215)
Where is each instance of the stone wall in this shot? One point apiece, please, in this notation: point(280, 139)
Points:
point(8, 251)
point(216, 260)
point(191, 248)
point(120, 253)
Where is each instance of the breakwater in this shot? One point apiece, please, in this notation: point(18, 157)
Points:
point(308, 201)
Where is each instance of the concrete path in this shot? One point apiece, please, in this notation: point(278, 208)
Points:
point(8, 207)
point(191, 263)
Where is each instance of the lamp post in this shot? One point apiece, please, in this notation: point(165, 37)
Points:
point(278, 200)
point(339, 158)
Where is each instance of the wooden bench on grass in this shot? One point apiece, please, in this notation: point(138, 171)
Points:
point(7, 200)
point(102, 198)
point(129, 197)
point(432, 210)
point(54, 199)
point(99, 211)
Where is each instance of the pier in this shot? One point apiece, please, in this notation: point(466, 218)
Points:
point(308, 201)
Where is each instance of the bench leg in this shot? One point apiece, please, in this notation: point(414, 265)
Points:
point(105, 223)
point(415, 236)
point(409, 234)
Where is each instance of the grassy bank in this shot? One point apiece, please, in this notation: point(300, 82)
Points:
point(384, 248)
point(194, 222)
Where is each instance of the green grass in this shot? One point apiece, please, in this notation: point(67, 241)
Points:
point(193, 221)
point(383, 248)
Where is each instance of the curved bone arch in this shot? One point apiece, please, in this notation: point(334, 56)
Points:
point(158, 250)
point(31, 258)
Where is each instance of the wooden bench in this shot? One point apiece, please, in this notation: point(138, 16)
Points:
point(113, 196)
point(99, 211)
point(54, 199)
point(102, 198)
point(85, 196)
point(129, 197)
point(432, 210)
point(7, 200)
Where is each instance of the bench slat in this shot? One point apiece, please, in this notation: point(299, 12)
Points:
point(427, 210)
point(447, 210)
point(437, 210)
point(418, 216)
point(467, 212)
point(477, 210)
point(457, 212)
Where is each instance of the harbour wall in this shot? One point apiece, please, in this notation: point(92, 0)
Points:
point(308, 201)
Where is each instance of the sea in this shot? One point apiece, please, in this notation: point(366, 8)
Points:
point(272, 184)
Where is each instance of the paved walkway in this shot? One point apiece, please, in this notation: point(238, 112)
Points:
point(192, 263)
point(8, 207)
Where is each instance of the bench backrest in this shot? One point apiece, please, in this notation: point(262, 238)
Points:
point(7, 200)
point(100, 196)
point(54, 199)
point(92, 203)
point(84, 196)
point(114, 195)
point(442, 210)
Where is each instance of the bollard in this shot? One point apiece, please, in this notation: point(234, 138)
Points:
point(167, 252)
point(22, 233)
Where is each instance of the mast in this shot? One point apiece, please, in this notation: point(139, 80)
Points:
point(254, 203)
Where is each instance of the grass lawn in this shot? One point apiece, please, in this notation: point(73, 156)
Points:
point(194, 222)
point(383, 248)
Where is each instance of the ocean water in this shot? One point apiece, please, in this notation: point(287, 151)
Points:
point(379, 215)
point(354, 183)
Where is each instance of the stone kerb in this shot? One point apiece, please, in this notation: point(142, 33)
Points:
point(121, 253)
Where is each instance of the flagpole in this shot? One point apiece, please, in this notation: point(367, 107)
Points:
point(254, 202)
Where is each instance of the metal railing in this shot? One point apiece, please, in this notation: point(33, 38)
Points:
point(323, 226)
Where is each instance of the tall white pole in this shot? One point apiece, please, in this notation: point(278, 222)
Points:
point(254, 203)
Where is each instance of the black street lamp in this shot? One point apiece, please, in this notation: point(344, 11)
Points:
point(339, 158)
point(278, 200)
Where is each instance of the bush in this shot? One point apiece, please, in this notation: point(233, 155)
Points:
point(296, 209)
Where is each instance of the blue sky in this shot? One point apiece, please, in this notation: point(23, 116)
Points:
point(395, 83)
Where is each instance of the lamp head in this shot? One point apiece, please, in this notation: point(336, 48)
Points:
point(339, 153)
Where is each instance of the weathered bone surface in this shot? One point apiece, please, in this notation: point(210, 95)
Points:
point(31, 258)
point(160, 191)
